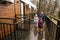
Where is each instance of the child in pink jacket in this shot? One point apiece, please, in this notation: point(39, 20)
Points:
point(40, 24)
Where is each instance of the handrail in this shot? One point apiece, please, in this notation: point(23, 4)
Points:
point(21, 20)
point(55, 19)
point(12, 19)
point(22, 17)
point(8, 18)
point(6, 23)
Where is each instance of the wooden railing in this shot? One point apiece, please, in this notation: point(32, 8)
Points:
point(7, 28)
point(12, 29)
point(23, 27)
point(53, 25)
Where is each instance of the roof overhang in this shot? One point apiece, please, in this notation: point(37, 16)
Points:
point(30, 3)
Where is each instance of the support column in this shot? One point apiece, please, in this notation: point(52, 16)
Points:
point(58, 31)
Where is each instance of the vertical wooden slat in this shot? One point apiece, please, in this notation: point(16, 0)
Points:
point(0, 31)
point(4, 31)
point(11, 32)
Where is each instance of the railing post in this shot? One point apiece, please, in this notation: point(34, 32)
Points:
point(58, 31)
point(29, 22)
point(14, 21)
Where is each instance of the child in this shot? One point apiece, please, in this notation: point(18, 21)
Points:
point(36, 23)
point(40, 24)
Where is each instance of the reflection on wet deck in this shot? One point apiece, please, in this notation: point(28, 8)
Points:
point(32, 36)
